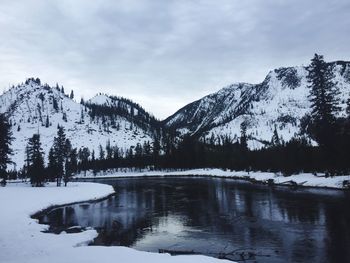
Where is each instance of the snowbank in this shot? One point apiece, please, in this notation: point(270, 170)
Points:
point(304, 179)
point(22, 241)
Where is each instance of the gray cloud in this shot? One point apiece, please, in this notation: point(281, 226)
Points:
point(164, 54)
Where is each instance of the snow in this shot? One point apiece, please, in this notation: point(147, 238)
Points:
point(306, 179)
point(101, 99)
point(29, 105)
point(21, 239)
point(262, 106)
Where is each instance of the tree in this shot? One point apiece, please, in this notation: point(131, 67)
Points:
point(59, 153)
point(323, 98)
point(71, 162)
point(71, 96)
point(275, 138)
point(53, 167)
point(155, 150)
point(243, 140)
point(101, 152)
point(35, 161)
point(55, 104)
point(109, 150)
point(348, 107)
point(47, 123)
point(84, 155)
point(5, 143)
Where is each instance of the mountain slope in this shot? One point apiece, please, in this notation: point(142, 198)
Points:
point(33, 107)
point(279, 101)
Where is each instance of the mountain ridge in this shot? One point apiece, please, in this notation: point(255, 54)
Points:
point(279, 100)
point(33, 107)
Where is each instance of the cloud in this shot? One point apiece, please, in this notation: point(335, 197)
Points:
point(164, 54)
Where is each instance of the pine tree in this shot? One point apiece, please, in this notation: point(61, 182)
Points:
point(47, 123)
point(55, 104)
point(84, 155)
point(93, 156)
point(156, 150)
point(60, 153)
point(53, 167)
point(275, 138)
point(116, 153)
point(35, 161)
point(323, 98)
point(71, 162)
point(243, 140)
point(101, 152)
point(109, 150)
point(5, 143)
point(348, 107)
point(71, 96)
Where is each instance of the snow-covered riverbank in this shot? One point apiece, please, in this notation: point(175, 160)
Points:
point(304, 179)
point(22, 241)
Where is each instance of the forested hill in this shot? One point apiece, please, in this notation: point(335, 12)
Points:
point(104, 106)
point(280, 103)
point(34, 107)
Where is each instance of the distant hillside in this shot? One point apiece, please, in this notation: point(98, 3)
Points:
point(34, 107)
point(280, 101)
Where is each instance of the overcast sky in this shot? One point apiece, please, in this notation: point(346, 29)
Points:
point(164, 54)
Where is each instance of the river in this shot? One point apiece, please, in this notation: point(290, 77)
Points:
point(216, 217)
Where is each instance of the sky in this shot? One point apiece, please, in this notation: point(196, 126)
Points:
point(164, 54)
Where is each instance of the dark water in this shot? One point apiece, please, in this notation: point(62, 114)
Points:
point(217, 216)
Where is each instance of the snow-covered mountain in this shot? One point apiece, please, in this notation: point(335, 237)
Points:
point(33, 107)
point(280, 101)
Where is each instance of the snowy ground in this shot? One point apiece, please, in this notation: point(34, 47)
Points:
point(22, 241)
point(306, 179)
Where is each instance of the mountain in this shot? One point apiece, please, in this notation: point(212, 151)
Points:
point(34, 107)
point(280, 101)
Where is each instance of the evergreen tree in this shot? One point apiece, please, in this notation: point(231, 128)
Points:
point(53, 167)
point(35, 161)
point(60, 153)
point(47, 123)
point(109, 150)
point(138, 150)
point(5, 143)
point(156, 150)
point(71, 162)
point(323, 98)
point(275, 138)
point(243, 140)
point(146, 149)
point(64, 116)
point(348, 107)
point(71, 96)
point(93, 156)
point(101, 152)
point(55, 104)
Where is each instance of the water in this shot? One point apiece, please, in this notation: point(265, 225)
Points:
point(217, 217)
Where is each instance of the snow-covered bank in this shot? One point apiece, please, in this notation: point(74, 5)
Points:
point(303, 179)
point(22, 241)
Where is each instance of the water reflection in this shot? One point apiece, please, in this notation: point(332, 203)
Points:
point(213, 216)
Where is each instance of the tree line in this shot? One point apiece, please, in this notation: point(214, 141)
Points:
point(324, 125)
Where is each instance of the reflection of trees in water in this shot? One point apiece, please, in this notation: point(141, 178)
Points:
point(236, 215)
point(298, 207)
point(337, 222)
